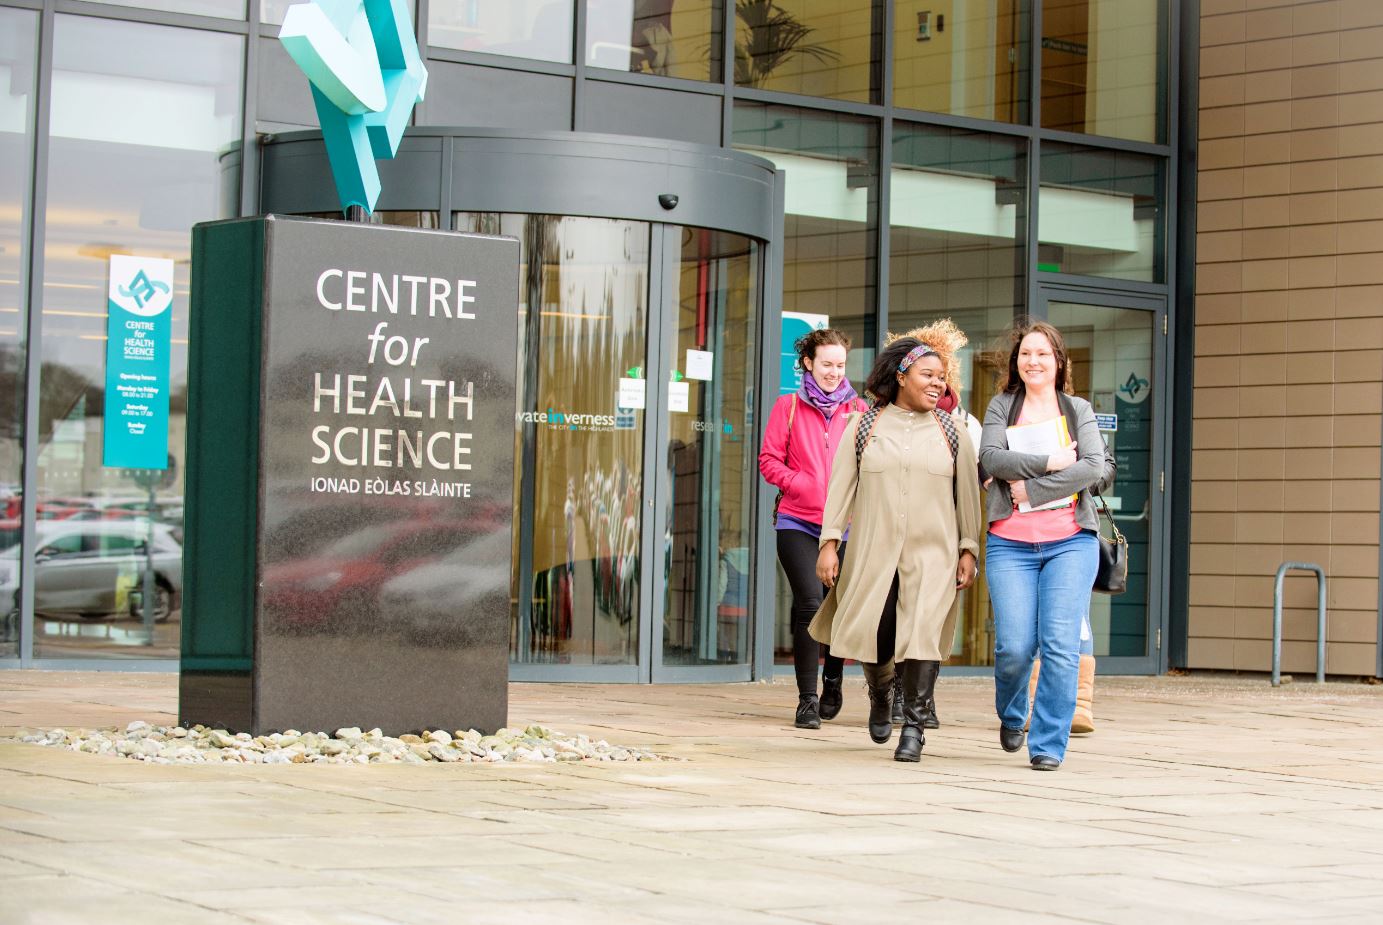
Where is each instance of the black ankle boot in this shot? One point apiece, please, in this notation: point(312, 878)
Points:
point(929, 718)
point(879, 681)
point(896, 711)
point(808, 712)
point(914, 675)
point(832, 697)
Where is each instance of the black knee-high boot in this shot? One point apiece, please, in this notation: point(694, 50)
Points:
point(918, 680)
point(929, 717)
point(878, 678)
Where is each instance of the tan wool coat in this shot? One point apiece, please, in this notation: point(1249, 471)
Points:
point(897, 503)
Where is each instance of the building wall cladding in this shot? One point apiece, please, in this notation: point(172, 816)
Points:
point(1289, 331)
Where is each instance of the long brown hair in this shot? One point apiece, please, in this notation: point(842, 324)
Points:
point(1021, 329)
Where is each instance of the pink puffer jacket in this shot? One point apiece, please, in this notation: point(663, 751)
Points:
point(800, 465)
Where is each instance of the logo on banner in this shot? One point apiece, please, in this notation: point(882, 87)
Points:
point(150, 296)
point(361, 58)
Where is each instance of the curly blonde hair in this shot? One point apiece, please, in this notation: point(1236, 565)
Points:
point(946, 339)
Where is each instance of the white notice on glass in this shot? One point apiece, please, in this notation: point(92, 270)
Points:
point(678, 396)
point(700, 364)
point(1042, 439)
point(631, 393)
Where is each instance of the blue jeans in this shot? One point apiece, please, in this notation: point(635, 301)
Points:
point(1041, 597)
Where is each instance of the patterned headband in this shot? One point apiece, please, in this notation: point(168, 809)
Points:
point(915, 354)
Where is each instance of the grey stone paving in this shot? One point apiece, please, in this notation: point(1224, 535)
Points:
point(1208, 799)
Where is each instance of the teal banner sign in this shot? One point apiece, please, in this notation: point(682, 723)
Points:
point(138, 335)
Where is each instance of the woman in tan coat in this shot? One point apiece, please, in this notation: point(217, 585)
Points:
point(914, 538)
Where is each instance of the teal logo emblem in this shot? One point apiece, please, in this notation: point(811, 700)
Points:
point(1134, 386)
point(361, 57)
point(142, 289)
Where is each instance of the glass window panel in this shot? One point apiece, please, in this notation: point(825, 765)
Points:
point(583, 307)
point(829, 49)
point(538, 29)
point(157, 108)
point(963, 57)
point(225, 9)
point(273, 11)
point(1101, 213)
point(1104, 67)
point(1111, 351)
point(672, 39)
point(711, 452)
point(18, 55)
point(830, 169)
point(957, 214)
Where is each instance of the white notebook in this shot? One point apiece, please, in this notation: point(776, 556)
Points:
point(1041, 439)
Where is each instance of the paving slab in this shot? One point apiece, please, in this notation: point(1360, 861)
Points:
point(1218, 796)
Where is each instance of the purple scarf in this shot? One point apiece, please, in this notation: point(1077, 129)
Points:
point(825, 402)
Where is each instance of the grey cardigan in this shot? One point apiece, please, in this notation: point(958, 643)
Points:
point(1093, 469)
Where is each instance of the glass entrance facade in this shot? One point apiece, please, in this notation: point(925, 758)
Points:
point(973, 161)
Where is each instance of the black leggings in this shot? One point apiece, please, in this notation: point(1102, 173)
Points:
point(887, 637)
point(797, 552)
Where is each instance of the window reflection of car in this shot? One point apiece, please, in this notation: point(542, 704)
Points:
point(340, 580)
point(435, 599)
point(94, 569)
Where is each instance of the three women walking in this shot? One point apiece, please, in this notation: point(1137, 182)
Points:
point(903, 482)
point(803, 432)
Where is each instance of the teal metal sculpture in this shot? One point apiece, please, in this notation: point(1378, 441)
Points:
point(361, 57)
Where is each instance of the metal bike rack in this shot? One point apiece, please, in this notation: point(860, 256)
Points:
point(1282, 571)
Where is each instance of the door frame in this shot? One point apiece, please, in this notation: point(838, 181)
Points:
point(1154, 657)
point(664, 292)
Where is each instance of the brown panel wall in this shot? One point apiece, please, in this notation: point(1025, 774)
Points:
point(1289, 330)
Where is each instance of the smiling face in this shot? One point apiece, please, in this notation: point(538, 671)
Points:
point(921, 387)
point(1037, 362)
point(827, 367)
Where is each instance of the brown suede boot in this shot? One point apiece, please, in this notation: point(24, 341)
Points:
point(1084, 720)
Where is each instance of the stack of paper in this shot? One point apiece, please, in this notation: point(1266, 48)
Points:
point(1042, 439)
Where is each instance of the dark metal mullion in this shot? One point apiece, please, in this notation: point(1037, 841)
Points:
point(420, 28)
point(763, 565)
point(968, 123)
point(1101, 283)
point(680, 84)
point(884, 185)
point(1182, 321)
point(1109, 143)
point(1032, 304)
point(578, 60)
point(813, 103)
point(728, 22)
point(33, 333)
point(652, 575)
point(249, 109)
point(1160, 514)
point(503, 62)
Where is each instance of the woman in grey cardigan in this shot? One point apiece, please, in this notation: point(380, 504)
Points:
point(1042, 551)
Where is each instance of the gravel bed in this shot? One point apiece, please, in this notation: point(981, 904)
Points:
point(200, 745)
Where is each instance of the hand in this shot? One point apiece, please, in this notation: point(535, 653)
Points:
point(1061, 459)
point(965, 570)
point(828, 564)
point(1019, 492)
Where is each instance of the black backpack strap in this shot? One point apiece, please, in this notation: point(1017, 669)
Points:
point(948, 427)
point(862, 430)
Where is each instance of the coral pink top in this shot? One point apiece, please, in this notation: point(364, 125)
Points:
point(1037, 526)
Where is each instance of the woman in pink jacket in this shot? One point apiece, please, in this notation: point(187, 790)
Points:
point(800, 441)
